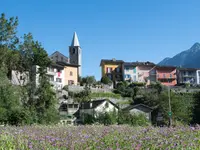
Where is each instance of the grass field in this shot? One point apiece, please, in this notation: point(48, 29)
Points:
point(98, 138)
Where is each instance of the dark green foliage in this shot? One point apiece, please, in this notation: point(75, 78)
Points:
point(88, 81)
point(106, 80)
point(46, 101)
point(89, 119)
point(82, 96)
point(196, 112)
point(126, 90)
point(66, 88)
point(107, 118)
point(24, 104)
point(133, 119)
point(139, 84)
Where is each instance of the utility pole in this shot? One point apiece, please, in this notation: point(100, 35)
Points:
point(170, 111)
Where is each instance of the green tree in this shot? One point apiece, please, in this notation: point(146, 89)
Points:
point(46, 101)
point(196, 111)
point(106, 80)
point(89, 80)
point(40, 99)
point(82, 96)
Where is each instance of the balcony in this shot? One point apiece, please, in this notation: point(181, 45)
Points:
point(52, 73)
point(189, 76)
point(166, 76)
point(56, 85)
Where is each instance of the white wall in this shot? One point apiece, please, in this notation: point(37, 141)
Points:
point(100, 109)
point(55, 74)
point(198, 76)
point(18, 78)
point(131, 73)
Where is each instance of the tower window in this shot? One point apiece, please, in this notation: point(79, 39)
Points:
point(71, 73)
point(73, 51)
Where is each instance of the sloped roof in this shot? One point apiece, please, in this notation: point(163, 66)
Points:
point(141, 107)
point(58, 53)
point(139, 63)
point(95, 104)
point(67, 64)
point(75, 41)
point(111, 61)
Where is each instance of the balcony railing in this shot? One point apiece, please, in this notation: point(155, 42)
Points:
point(166, 77)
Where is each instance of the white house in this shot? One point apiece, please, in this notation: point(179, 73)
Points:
point(96, 107)
point(56, 76)
point(198, 76)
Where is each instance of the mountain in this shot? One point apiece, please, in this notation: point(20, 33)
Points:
point(189, 58)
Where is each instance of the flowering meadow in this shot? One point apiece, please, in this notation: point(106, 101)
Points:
point(98, 138)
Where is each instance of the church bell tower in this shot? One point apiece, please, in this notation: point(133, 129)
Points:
point(75, 53)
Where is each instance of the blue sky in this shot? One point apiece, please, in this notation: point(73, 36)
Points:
point(131, 30)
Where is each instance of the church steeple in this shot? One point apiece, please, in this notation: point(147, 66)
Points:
point(75, 41)
point(75, 53)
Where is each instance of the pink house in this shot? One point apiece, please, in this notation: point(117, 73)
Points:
point(144, 72)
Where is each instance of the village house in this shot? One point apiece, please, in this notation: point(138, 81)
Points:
point(95, 107)
point(166, 75)
point(139, 109)
point(113, 69)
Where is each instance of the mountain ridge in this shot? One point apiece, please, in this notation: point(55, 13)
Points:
point(188, 58)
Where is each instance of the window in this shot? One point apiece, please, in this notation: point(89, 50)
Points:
point(170, 75)
point(74, 51)
point(51, 78)
point(71, 73)
point(127, 69)
point(70, 82)
point(51, 69)
point(134, 78)
point(58, 80)
point(109, 70)
point(163, 75)
point(134, 70)
point(21, 77)
point(118, 69)
point(110, 76)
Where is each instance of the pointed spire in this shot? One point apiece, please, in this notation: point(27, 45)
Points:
point(75, 41)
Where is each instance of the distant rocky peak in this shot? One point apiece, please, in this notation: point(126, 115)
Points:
point(195, 47)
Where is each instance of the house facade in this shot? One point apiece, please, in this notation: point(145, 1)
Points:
point(139, 109)
point(130, 72)
point(113, 69)
point(143, 69)
point(56, 75)
point(186, 75)
point(96, 107)
point(198, 76)
point(138, 71)
point(70, 74)
point(67, 111)
point(166, 75)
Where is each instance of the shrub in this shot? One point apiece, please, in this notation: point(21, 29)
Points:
point(66, 88)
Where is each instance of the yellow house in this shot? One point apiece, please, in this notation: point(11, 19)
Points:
point(70, 73)
point(113, 69)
